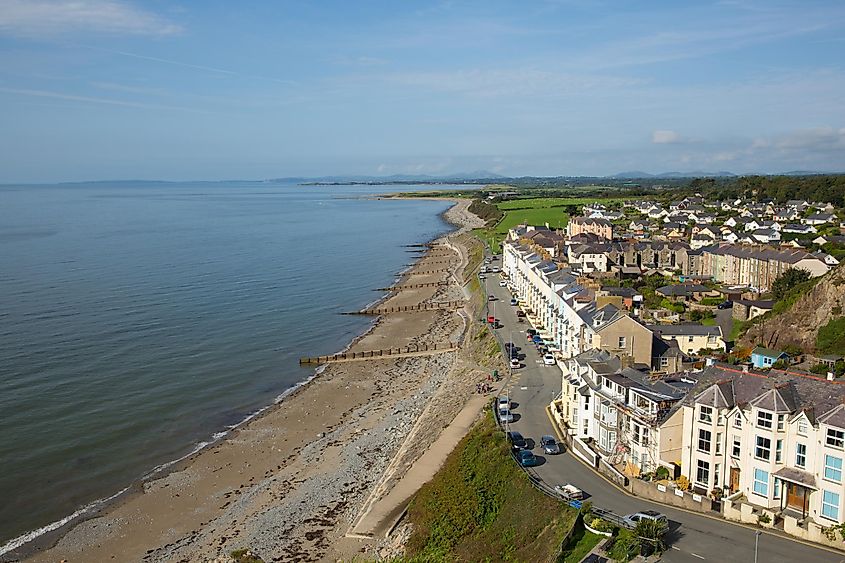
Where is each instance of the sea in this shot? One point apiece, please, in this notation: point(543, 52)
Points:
point(141, 321)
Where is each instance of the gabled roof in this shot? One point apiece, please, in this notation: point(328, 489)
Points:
point(767, 353)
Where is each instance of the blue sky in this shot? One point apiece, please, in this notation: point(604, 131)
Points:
point(107, 89)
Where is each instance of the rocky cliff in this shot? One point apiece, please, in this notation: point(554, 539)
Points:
point(800, 323)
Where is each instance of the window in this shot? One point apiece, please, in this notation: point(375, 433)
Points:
point(704, 441)
point(801, 455)
point(781, 420)
point(718, 443)
point(645, 437)
point(664, 362)
point(835, 438)
point(622, 342)
point(763, 449)
point(705, 414)
point(702, 474)
point(738, 421)
point(764, 419)
point(716, 472)
point(830, 505)
point(691, 338)
point(776, 494)
point(761, 483)
point(802, 427)
point(779, 451)
point(833, 468)
point(737, 446)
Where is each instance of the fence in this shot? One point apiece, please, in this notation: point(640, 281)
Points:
point(384, 353)
point(411, 286)
point(444, 305)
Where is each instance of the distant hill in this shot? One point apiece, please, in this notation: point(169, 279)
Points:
point(460, 177)
point(694, 174)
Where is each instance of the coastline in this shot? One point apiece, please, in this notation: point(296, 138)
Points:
point(77, 536)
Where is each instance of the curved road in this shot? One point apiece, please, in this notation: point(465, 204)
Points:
point(693, 537)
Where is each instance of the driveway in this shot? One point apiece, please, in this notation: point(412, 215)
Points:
point(695, 537)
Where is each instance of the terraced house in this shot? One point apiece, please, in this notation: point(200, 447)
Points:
point(756, 266)
point(776, 438)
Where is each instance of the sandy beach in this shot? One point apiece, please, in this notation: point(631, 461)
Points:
point(289, 484)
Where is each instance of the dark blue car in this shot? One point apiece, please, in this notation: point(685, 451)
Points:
point(527, 458)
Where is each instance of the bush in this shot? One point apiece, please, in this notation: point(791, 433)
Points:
point(711, 301)
point(661, 473)
point(831, 337)
point(682, 483)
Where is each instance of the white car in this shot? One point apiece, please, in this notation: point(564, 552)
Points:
point(515, 363)
point(505, 415)
point(503, 283)
point(549, 360)
point(504, 403)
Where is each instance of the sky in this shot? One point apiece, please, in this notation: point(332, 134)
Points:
point(216, 89)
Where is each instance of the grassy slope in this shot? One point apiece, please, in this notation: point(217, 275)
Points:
point(480, 507)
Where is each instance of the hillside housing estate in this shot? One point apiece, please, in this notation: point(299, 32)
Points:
point(638, 393)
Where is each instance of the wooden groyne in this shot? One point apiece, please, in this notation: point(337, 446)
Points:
point(432, 263)
point(407, 351)
point(412, 286)
point(425, 273)
point(441, 306)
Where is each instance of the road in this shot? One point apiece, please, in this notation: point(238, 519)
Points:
point(693, 537)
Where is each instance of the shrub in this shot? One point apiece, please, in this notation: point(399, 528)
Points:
point(682, 483)
point(787, 280)
point(764, 518)
point(831, 337)
point(661, 473)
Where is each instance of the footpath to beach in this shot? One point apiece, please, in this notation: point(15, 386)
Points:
point(342, 455)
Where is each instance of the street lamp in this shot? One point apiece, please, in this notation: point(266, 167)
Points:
point(757, 535)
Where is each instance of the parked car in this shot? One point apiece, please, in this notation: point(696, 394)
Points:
point(632, 520)
point(549, 359)
point(503, 283)
point(725, 305)
point(482, 277)
point(491, 298)
point(514, 302)
point(550, 445)
point(527, 458)
point(531, 332)
point(520, 314)
point(505, 415)
point(503, 403)
point(517, 441)
point(515, 363)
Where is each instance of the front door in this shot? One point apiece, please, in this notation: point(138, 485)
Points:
point(796, 497)
point(734, 479)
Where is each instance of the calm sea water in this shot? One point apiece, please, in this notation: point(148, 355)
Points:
point(137, 320)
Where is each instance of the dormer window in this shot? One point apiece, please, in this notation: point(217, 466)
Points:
point(781, 421)
point(738, 421)
point(803, 427)
point(705, 414)
point(764, 419)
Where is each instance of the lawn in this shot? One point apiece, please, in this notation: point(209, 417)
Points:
point(480, 506)
point(580, 544)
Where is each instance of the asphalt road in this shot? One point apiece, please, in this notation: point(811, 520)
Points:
point(693, 537)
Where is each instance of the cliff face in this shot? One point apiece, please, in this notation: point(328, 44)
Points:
point(800, 323)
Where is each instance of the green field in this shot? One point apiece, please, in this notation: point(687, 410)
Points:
point(535, 211)
point(541, 202)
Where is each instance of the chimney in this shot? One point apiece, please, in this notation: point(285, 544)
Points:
point(830, 376)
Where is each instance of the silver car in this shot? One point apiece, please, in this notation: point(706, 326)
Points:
point(550, 445)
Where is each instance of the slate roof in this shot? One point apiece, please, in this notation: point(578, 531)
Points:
point(686, 329)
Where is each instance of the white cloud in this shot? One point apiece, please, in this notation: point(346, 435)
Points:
point(665, 136)
point(53, 17)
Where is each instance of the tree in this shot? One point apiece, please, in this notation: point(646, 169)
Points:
point(787, 280)
point(650, 535)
